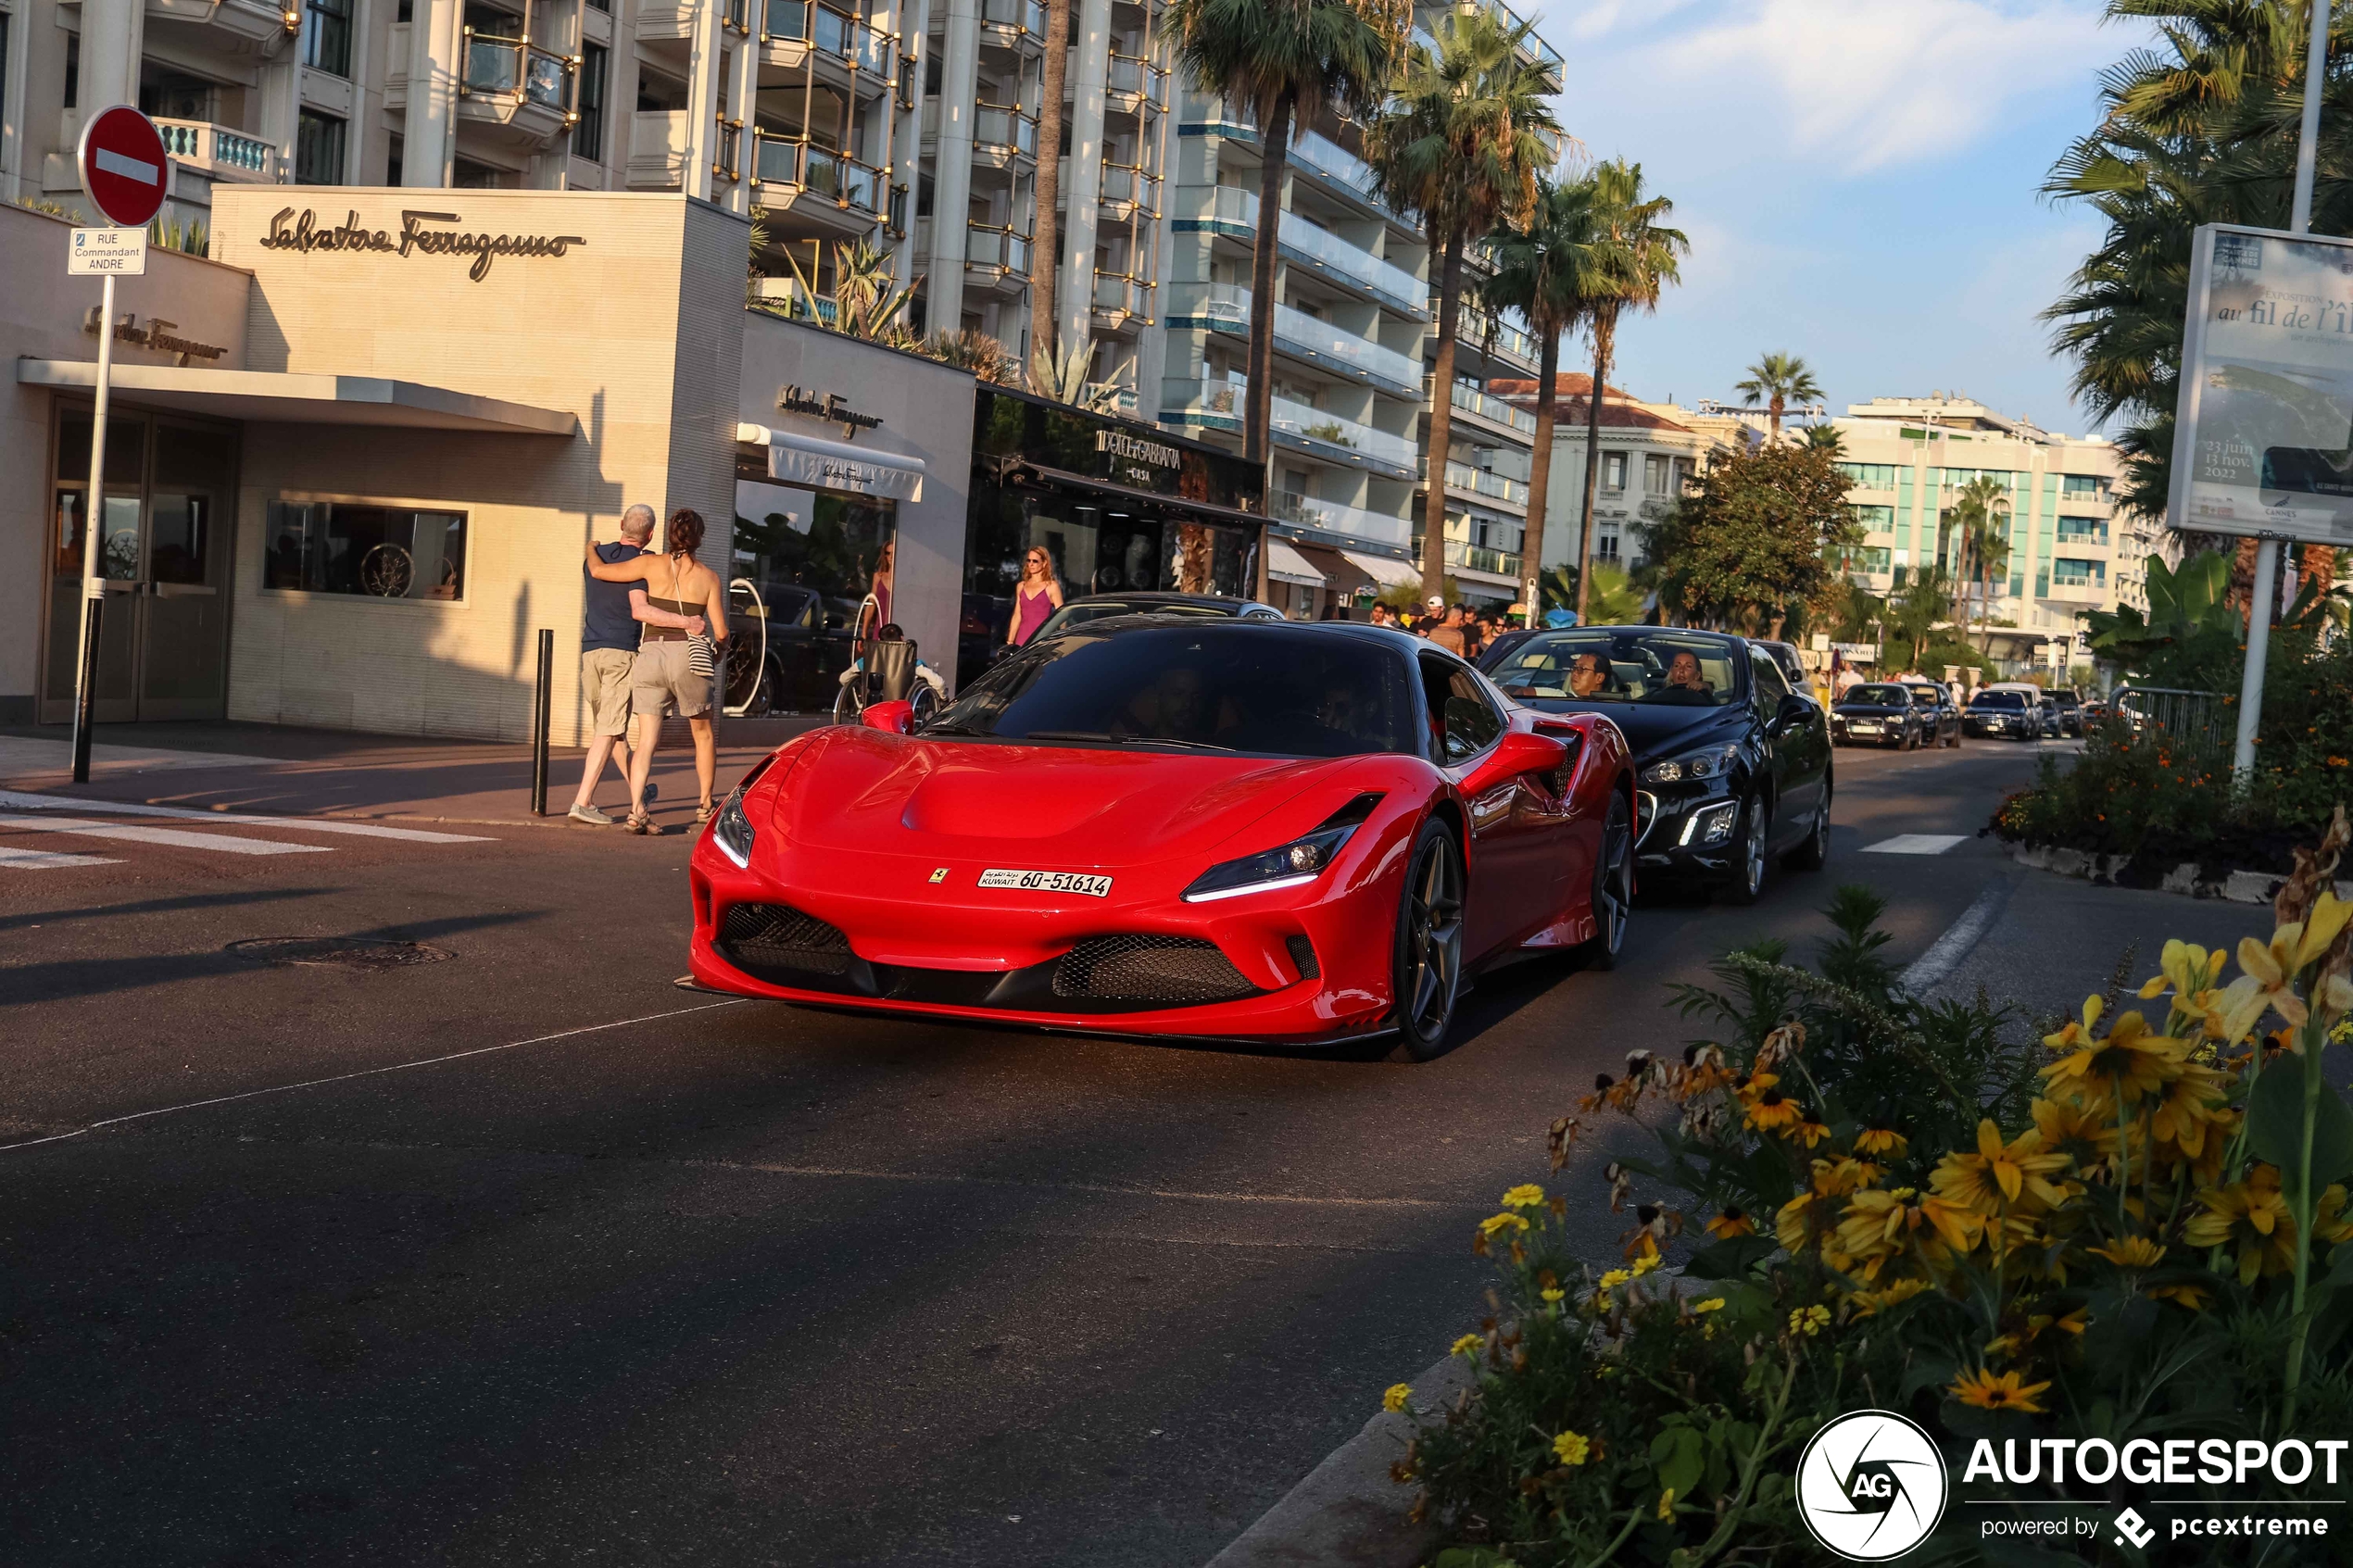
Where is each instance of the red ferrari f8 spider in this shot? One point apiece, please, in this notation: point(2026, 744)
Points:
point(1245, 830)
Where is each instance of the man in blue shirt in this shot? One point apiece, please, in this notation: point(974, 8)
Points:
point(609, 614)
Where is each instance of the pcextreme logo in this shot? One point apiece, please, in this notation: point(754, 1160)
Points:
point(1870, 1486)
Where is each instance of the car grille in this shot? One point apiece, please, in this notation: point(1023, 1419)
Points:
point(1170, 971)
point(1302, 955)
point(777, 937)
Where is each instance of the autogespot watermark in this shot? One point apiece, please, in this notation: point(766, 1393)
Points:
point(1872, 1485)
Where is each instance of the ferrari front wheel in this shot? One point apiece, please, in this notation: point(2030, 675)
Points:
point(1426, 966)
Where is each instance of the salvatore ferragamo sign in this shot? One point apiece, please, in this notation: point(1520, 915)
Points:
point(305, 234)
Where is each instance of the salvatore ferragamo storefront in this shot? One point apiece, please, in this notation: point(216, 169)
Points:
point(352, 460)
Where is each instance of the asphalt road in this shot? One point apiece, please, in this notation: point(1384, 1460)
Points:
point(651, 1278)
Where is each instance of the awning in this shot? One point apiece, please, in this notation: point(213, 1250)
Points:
point(1339, 572)
point(1286, 565)
point(836, 465)
point(1386, 573)
point(291, 397)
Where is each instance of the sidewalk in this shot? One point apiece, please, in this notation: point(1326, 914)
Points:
point(278, 769)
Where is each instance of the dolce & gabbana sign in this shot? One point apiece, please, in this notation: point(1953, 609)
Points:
point(1136, 448)
point(305, 234)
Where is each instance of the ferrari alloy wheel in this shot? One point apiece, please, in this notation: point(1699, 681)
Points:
point(1613, 885)
point(1748, 872)
point(1427, 969)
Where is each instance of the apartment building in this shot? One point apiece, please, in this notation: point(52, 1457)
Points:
point(2072, 547)
point(1648, 452)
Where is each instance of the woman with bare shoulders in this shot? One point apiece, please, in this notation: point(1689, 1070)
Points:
point(1036, 596)
point(663, 675)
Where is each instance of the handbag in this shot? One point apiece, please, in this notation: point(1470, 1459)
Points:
point(699, 650)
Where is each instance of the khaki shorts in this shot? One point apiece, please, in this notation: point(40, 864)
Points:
point(605, 678)
point(663, 678)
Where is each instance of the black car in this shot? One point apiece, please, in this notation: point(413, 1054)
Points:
point(1945, 728)
point(1884, 713)
point(2001, 713)
point(2070, 710)
point(1734, 766)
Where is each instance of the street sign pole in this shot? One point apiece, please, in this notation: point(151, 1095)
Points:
point(93, 508)
point(2263, 601)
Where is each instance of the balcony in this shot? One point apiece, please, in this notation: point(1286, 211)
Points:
point(1480, 558)
point(1004, 249)
point(1122, 303)
point(1348, 524)
point(246, 21)
point(1007, 24)
point(1225, 307)
point(1463, 478)
point(515, 84)
point(1472, 329)
point(1233, 211)
point(1134, 84)
point(1320, 154)
point(1128, 190)
point(818, 188)
point(218, 153)
point(1491, 410)
point(1001, 134)
point(793, 30)
point(1214, 404)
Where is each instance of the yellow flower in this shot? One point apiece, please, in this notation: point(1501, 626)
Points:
point(1878, 1226)
point(1767, 1109)
point(1881, 1140)
point(1528, 1195)
point(1731, 1222)
point(2077, 1032)
point(1667, 1503)
point(2132, 1252)
point(1645, 1263)
point(1999, 1174)
point(2186, 1293)
point(2190, 1106)
point(1615, 1278)
point(2272, 968)
point(1572, 1447)
point(1397, 1393)
point(1867, 1302)
point(1494, 1223)
point(1553, 1295)
point(1808, 1320)
point(1987, 1392)
point(1806, 1131)
point(1470, 1345)
point(2191, 972)
point(2129, 1063)
point(2251, 1216)
point(1713, 1304)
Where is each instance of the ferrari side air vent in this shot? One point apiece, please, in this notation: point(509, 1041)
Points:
point(758, 937)
point(1302, 953)
point(1170, 971)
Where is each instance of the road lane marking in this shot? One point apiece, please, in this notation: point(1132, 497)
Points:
point(1915, 844)
point(235, 818)
point(42, 860)
point(1944, 955)
point(372, 1072)
point(218, 843)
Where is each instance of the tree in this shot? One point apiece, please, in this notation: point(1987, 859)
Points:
point(1460, 146)
point(1980, 523)
point(1757, 539)
point(1829, 438)
point(1854, 611)
point(1046, 242)
point(1915, 613)
point(1289, 60)
point(1536, 272)
point(1777, 380)
point(1065, 380)
point(864, 303)
point(1631, 258)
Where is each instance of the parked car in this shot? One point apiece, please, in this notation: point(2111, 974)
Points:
point(1932, 696)
point(2054, 723)
point(2006, 713)
point(1735, 767)
point(2070, 710)
point(1793, 671)
point(1096, 606)
point(1881, 713)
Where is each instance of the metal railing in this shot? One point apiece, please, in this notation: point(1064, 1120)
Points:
point(1313, 150)
point(1134, 75)
point(1129, 182)
point(1226, 307)
point(515, 66)
point(1219, 402)
point(1289, 506)
point(1472, 328)
point(986, 245)
point(1233, 210)
point(994, 125)
point(1480, 481)
point(728, 149)
point(216, 150)
point(1027, 16)
point(2202, 717)
point(781, 160)
point(1493, 410)
point(1481, 557)
point(829, 32)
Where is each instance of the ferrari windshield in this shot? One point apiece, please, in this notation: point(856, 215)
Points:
point(1223, 686)
point(1080, 611)
point(1663, 666)
point(1878, 697)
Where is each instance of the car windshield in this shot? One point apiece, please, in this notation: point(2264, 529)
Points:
point(1080, 611)
point(1881, 696)
point(1996, 699)
point(1664, 667)
point(1224, 685)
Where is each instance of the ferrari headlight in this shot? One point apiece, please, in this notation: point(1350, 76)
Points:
point(731, 831)
point(1692, 767)
point(1287, 865)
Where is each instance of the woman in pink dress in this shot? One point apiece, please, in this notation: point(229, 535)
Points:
point(1036, 596)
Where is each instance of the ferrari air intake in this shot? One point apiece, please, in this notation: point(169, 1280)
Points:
point(757, 937)
point(1162, 971)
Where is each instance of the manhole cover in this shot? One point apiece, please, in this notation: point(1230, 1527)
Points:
point(343, 952)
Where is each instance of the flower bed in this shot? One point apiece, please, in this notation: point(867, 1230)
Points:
point(2130, 1230)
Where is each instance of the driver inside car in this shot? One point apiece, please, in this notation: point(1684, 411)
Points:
point(1684, 683)
point(1587, 675)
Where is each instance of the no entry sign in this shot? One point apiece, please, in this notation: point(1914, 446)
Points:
point(123, 165)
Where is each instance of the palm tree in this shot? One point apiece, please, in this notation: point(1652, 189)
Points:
point(1979, 520)
point(1460, 146)
point(1289, 60)
point(1631, 259)
point(1827, 438)
point(1046, 245)
point(1913, 614)
point(1536, 272)
point(1777, 380)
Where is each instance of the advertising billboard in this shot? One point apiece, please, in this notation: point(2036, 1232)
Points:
point(2263, 441)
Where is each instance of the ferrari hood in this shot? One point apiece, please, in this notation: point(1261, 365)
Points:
point(1062, 805)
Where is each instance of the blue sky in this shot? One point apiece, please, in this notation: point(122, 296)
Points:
point(1859, 181)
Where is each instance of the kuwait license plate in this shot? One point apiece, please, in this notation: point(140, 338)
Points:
point(1048, 881)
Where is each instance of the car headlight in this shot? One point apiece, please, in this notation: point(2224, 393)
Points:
point(732, 829)
point(1287, 865)
point(1711, 826)
point(1714, 762)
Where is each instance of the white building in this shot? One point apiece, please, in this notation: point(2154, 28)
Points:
point(1649, 453)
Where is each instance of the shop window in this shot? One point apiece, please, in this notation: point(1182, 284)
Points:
point(824, 565)
point(318, 144)
point(588, 135)
point(326, 36)
point(369, 552)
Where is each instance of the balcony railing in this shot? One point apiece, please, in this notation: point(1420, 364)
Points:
point(727, 149)
point(989, 246)
point(217, 151)
point(1479, 482)
point(780, 160)
point(1027, 16)
point(1135, 76)
point(515, 66)
point(1120, 295)
point(829, 32)
point(1128, 182)
point(1234, 210)
point(1508, 340)
point(1225, 307)
point(1493, 410)
point(1480, 558)
point(996, 126)
point(1332, 517)
point(1333, 161)
point(1219, 404)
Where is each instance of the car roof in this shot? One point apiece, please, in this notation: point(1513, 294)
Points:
point(1168, 596)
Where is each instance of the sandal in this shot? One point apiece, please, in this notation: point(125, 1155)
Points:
point(639, 822)
point(704, 812)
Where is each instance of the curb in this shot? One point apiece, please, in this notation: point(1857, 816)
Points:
point(2188, 879)
point(1348, 1513)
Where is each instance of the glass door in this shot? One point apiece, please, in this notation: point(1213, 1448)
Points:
point(120, 548)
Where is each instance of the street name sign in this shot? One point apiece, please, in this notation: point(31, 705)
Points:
point(114, 253)
point(123, 165)
point(2264, 439)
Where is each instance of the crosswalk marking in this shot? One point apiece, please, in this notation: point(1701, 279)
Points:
point(1915, 844)
point(49, 860)
point(233, 819)
point(226, 844)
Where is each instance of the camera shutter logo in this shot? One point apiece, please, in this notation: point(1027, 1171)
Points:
point(1870, 1486)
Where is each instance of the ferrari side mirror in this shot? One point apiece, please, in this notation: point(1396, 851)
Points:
point(899, 718)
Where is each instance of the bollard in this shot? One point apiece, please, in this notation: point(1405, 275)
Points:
point(542, 707)
point(85, 708)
